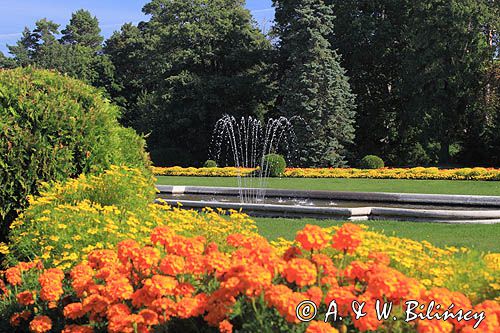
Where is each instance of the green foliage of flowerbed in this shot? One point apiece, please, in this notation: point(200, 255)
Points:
point(53, 127)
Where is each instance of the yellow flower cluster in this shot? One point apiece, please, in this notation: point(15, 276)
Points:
point(69, 220)
point(474, 274)
point(202, 172)
point(385, 173)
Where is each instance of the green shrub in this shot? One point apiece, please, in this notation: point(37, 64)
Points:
point(275, 165)
point(371, 162)
point(210, 164)
point(53, 127)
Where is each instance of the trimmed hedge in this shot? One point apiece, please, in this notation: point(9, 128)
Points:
point(53, 127)
point(371, 162)
point(275, 164)
point(210, 164)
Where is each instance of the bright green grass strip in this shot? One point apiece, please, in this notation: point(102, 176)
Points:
point(354, 184)
point(474, 236)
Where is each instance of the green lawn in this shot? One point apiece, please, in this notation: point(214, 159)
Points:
point(479, 237)
point(356, 185)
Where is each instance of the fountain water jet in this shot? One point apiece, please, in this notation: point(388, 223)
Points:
point(247, 141)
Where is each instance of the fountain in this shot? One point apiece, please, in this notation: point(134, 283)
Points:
point(244, 143)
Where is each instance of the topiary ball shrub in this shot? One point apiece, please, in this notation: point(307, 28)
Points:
point(275, 165)
point(210, 164)
point(371, 162)
point(53, 127)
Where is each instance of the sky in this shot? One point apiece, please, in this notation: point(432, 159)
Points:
point(17, 14)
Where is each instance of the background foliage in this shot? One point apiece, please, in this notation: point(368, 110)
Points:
point(415, 83)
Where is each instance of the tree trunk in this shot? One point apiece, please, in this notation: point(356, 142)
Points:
point(444, 152)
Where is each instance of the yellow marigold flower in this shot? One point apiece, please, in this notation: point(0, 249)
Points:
point(4, 248)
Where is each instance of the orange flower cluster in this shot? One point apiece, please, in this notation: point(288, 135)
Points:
point(139, 289)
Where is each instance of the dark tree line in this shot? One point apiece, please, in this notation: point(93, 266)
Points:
point(416, 82)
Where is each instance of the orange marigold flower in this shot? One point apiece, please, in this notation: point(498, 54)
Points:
point(146, 260)
point(292, 252)
point(102, 258)
point(184, 289)
point(312, 237)
point(162, 235)
point(195, 265)
point(51, 292)
point(127, 324)
point(370, 322)
point(325, 264)
point(186, 247)
point(73, 311)
point(380, 258)
point(13, 276)
point(217, 261)
point(314, 294)
point(127, 250)
point(301, 271)
point(40, 324)
point(491, 321)
point(77, 329)
point(118, 288)
point(16, 318)
point(320, 327)
point(347, 238)
point(172, 264)
point(118, 310)
point(51, 283)
point(25, 298)
point(24, 266)
point(165, 307)
point(191, 306)
point(150, 317)
point(434, 326)
point(160, 285)
point(344, 296)
point(95, 304)
point(225, 327)
point(386, 281)
point(82, 276)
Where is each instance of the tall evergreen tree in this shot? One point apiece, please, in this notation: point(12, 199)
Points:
point(83, 29)
point(77, 54)
point(313, 85)
point(24, 48)
point(6, 62)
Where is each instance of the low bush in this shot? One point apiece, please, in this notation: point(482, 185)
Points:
point(275, 165)
point(184, 284)
point(70, 219)
point(53, 127)
point(371, 162)
point(210, 164)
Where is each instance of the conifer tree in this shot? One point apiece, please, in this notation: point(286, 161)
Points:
point(313, 85)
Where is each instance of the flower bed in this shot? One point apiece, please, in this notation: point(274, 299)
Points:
point(101, 257)
point(70, 219)
point(384, 173)
point(183, 284)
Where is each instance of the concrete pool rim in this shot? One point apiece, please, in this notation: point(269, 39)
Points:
point(358, 213)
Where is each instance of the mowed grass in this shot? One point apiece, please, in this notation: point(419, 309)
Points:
point(474, 236)
point(353, 184)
